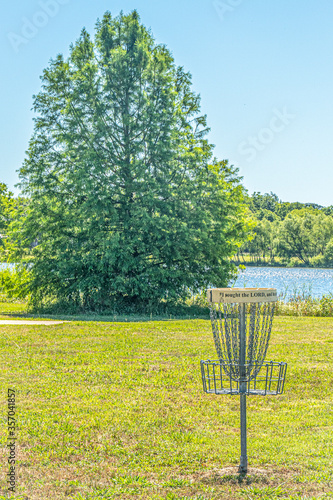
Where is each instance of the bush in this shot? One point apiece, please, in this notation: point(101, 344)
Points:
point(309, 306)
point(326, 305)
point(14, 283)
point(318, 261)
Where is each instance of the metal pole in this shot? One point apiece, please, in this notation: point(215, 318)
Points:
point(242, 387)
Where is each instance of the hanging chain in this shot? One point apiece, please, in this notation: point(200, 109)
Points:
point(225, 319)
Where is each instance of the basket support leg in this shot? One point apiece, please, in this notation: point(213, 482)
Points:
point(243, 459)
point(243, 386)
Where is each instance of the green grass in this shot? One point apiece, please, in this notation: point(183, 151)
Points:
point(11, 309)
point(110, 410)
point(8, 309)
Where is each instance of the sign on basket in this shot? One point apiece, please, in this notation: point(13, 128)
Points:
point(241, 295)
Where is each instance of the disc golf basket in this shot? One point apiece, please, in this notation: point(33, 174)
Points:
point(241, 322)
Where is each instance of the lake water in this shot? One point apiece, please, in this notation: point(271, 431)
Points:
point(287, 281)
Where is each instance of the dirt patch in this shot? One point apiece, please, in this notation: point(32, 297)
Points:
point(31, 322)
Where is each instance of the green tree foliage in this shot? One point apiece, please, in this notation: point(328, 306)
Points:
point(6, 199)
point(296, 238)
point(127, 204)
point(263, 205)
point(305, 233)
point(328, 254)
point(295, 232)
point(13, 281)
point(10, 209)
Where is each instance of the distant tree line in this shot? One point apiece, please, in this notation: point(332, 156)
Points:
point(286, 233)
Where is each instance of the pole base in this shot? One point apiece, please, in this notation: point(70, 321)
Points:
point(242, 469)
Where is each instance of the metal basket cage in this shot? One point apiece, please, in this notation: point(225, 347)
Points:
point(217, 378)
point(255, 322)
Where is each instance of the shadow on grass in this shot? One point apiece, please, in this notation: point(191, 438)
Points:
point(19, 311)
point(231, 476)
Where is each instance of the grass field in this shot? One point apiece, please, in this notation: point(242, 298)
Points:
point(116, 410)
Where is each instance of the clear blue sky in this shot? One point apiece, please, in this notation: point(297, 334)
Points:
point(263, 69)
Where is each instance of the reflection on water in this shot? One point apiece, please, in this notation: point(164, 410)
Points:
point(288, 281)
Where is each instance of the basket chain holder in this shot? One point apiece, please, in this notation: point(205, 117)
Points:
point(241, 321)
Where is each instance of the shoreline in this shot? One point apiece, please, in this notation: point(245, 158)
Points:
point(278, 265)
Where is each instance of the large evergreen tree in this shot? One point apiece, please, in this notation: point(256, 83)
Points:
point(127, 203)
